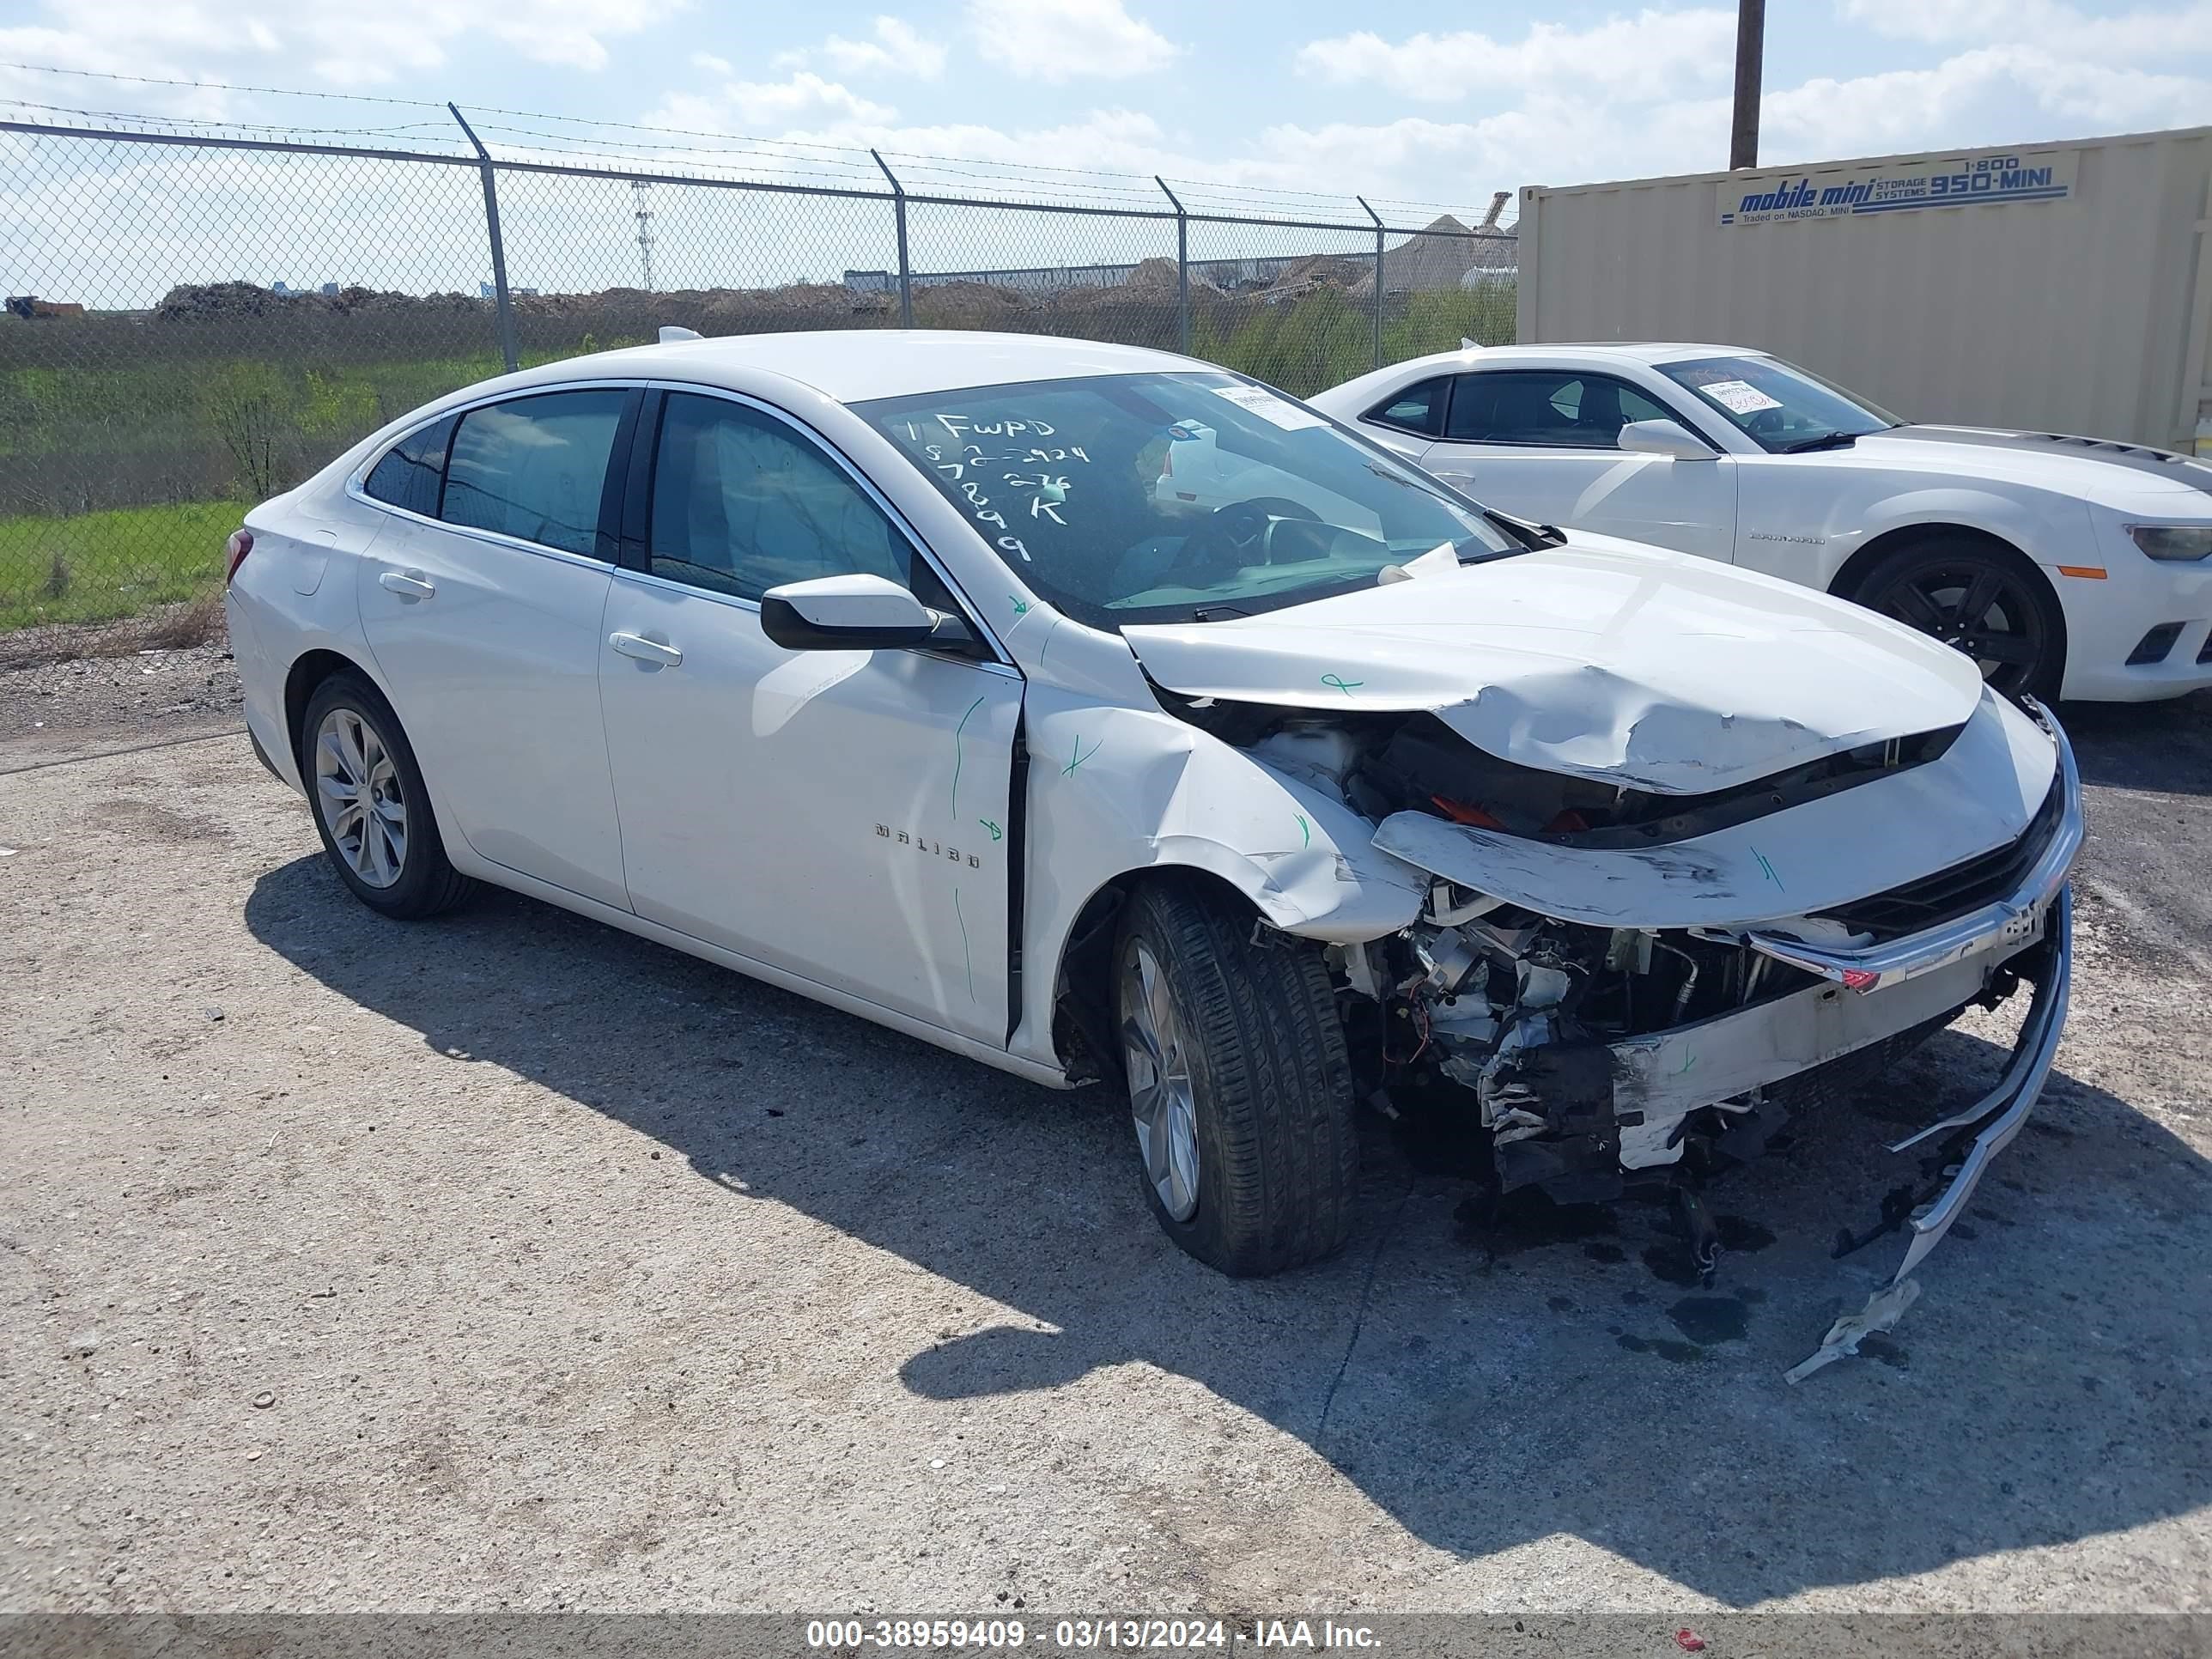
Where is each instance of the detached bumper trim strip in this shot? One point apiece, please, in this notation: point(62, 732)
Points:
point(2014, 1098)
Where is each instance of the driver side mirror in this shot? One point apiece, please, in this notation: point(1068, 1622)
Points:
point(845, 613)
point(1669, 438)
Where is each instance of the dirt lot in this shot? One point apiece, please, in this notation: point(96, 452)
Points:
point(508, 1261)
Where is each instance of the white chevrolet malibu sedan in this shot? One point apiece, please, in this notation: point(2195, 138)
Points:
point(2063, 566)
point(895, 670)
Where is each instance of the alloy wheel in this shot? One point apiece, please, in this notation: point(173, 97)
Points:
point(1161, 1100)
point(358, 794)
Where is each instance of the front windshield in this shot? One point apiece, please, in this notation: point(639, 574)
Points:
point(1138, 498)
point(1778, 405)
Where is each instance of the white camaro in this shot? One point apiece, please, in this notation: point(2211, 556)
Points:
point(879, 666)
point(2065, 566)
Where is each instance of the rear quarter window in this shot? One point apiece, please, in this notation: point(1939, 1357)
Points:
point(1418, 409)
point(413, 470)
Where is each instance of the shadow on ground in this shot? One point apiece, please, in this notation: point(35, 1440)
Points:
point(2164, 747)
point(1483, 1391)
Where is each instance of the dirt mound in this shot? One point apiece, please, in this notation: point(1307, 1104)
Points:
point(222, 302)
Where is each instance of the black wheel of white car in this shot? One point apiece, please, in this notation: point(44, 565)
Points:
point(370, 807)
point(1239, 1082)
point(1975, 600)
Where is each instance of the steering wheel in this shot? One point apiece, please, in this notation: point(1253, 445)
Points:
point(1237, 535)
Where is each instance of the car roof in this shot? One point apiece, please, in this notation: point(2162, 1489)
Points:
point(1646, 351)
point(1640, 351)
point(856, 365)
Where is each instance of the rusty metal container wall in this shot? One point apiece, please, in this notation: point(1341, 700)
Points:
point(2089, 314)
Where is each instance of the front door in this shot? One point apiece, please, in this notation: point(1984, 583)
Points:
point(841, 815)
point(1543, 444)
point(482, 614)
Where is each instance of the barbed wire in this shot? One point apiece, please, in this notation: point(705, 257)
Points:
point(857, 162)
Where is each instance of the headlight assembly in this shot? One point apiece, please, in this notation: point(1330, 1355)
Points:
point(2173, 542)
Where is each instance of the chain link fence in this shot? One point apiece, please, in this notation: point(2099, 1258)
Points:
point(194, 324)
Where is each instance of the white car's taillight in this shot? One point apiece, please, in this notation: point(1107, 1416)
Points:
point(234, 551)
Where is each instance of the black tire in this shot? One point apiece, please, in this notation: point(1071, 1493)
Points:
point(427, 883)
point(1990, 604)
point(1271, 1080)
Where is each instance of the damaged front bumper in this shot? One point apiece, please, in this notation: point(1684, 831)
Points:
point(1972, 1138)
point(1987, 1127)
point(2042, 906)
point(1575, 1103)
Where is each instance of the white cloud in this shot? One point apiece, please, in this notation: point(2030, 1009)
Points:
point(1058, 40)
point(2048, 26)
point(1640, 57)
point(767, 109)
point(339, 42)
point(1993, 95)
point(2058, 73)
point(896, 47)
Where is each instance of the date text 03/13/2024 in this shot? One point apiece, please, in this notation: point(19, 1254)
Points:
point(1087, 1635)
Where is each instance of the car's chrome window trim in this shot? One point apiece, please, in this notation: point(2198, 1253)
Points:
point(974, 614)
point(356, 483)
point(490, 538)
point(358, 478)
point(356, 487)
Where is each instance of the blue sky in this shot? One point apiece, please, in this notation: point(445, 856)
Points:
point(1415, 103)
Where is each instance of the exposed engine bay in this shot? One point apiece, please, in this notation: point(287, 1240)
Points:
point(1593, 1056)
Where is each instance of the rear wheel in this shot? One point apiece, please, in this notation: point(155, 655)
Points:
point(1993, 608)
point(370, 807)
point(1240, 1086)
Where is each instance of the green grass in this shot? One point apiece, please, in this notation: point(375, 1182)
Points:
point(98, 435)
point(97, 567)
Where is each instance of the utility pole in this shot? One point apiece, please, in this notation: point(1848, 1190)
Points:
point(1750, 53)
point(644, 210)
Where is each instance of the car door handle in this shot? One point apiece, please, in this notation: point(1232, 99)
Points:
point(645, 650)
point(406, 584)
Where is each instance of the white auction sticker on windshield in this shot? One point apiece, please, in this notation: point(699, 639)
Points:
point(1740, 397)
point(1268, 407)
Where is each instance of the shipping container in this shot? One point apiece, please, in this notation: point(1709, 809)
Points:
point(2062, 286)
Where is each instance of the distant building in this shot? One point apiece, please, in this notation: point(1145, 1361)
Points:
point(1446, 254)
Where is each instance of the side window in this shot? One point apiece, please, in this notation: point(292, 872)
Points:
point(1635, 406)
point(536, 467)
point(742, 503)
point(1418, 409)
point(412, 469)
point(1560, 409)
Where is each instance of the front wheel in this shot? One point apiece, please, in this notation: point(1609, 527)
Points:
point(1997, 610)
point(1240, 1086)
point(370, 807)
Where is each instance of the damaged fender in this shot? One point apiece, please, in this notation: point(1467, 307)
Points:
point(1116, 790)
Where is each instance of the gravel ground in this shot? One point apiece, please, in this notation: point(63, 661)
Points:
point(508, 1261)
point(52, 709)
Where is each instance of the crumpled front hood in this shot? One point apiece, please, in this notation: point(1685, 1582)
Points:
point(1600, 659)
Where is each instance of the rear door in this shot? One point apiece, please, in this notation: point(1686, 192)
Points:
point(842, 815)
point(1544, 444)
point(481, 600)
